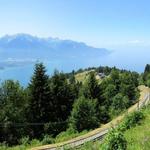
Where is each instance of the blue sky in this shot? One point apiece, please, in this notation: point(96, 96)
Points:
point(101, 23)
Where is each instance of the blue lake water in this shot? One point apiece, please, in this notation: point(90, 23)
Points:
point(133, 60)
point(24, 73)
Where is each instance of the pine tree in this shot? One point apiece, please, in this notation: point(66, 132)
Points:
point(40, 99)
point(147, 68)
point(63, 96)
point(84, 115)
point(91, 88)
point(146, 73)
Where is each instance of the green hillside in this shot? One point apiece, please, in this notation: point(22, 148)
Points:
point(66, 107)
point(138, 137)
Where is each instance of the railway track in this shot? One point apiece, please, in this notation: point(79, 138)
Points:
point(98, 134)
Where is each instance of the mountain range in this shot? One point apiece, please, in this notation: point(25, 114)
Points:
point(21, 49)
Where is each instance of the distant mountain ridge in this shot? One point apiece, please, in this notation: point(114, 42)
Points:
point(26, 47)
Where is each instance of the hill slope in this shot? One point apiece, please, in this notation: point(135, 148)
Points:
point(138, 138)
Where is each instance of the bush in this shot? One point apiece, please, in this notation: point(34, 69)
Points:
point(47, 140)
point(24, 141)
point(68, 134)
point(115, 141)
point(3, 146)
point(35, 142)
point(131, 120)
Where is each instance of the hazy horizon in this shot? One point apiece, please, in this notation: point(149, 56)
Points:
point(121, 27)
point(97, 23)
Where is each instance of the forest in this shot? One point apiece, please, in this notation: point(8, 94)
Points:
point(51, 105)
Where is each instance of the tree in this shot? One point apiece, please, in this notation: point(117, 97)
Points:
point(109, 92)
point(135, 78)
point(40, 100)
point(128, 86)
point(147, 68)
point(12, 111)
point(84, 114)
point(63, 96)
point(114, 76)
point(146, 72)
point(91, 88)
point(119, 103)
point(103, 114)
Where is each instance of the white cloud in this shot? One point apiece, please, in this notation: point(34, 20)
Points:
point(135, 42)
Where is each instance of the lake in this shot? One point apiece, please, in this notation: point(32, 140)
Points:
point(133, 59)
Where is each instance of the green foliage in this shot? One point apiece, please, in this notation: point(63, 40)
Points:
point(129, 82)
point(135, 139)
point(47, 140)
point(132, 120)
point(106, 70)
point(47, 105)
point(3, 146)
point(146, 75)
point(96, 145)
point(138, 137)
point(91, 89)
point(115, 77)
point(103, 114)
point(39, 102)
point(147, 68)
point(24, 141)
point(35, 142)
point(115, 140)
point(119, 103)
point(119, 90)
point(12, 111)
point(109, 92)
point(63, 95)
point(84, 114)
point(68, 134)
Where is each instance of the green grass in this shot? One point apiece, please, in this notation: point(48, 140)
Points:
point(33, 143)
point(138, 137)
point(81, 77)
point(68, 135)
point(63, 136)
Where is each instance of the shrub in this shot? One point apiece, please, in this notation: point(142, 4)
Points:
point(115, 141)
point(3, 146)
point(24, 141)
point(35, 142)
point(131, 120)
point(47, 140)
point(68, 134)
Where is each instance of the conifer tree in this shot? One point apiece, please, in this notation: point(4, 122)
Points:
point(146, 73)
point(84, 115)
point(63, 96)
point(40, 99)
point(147, 68)
point(91, 88)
